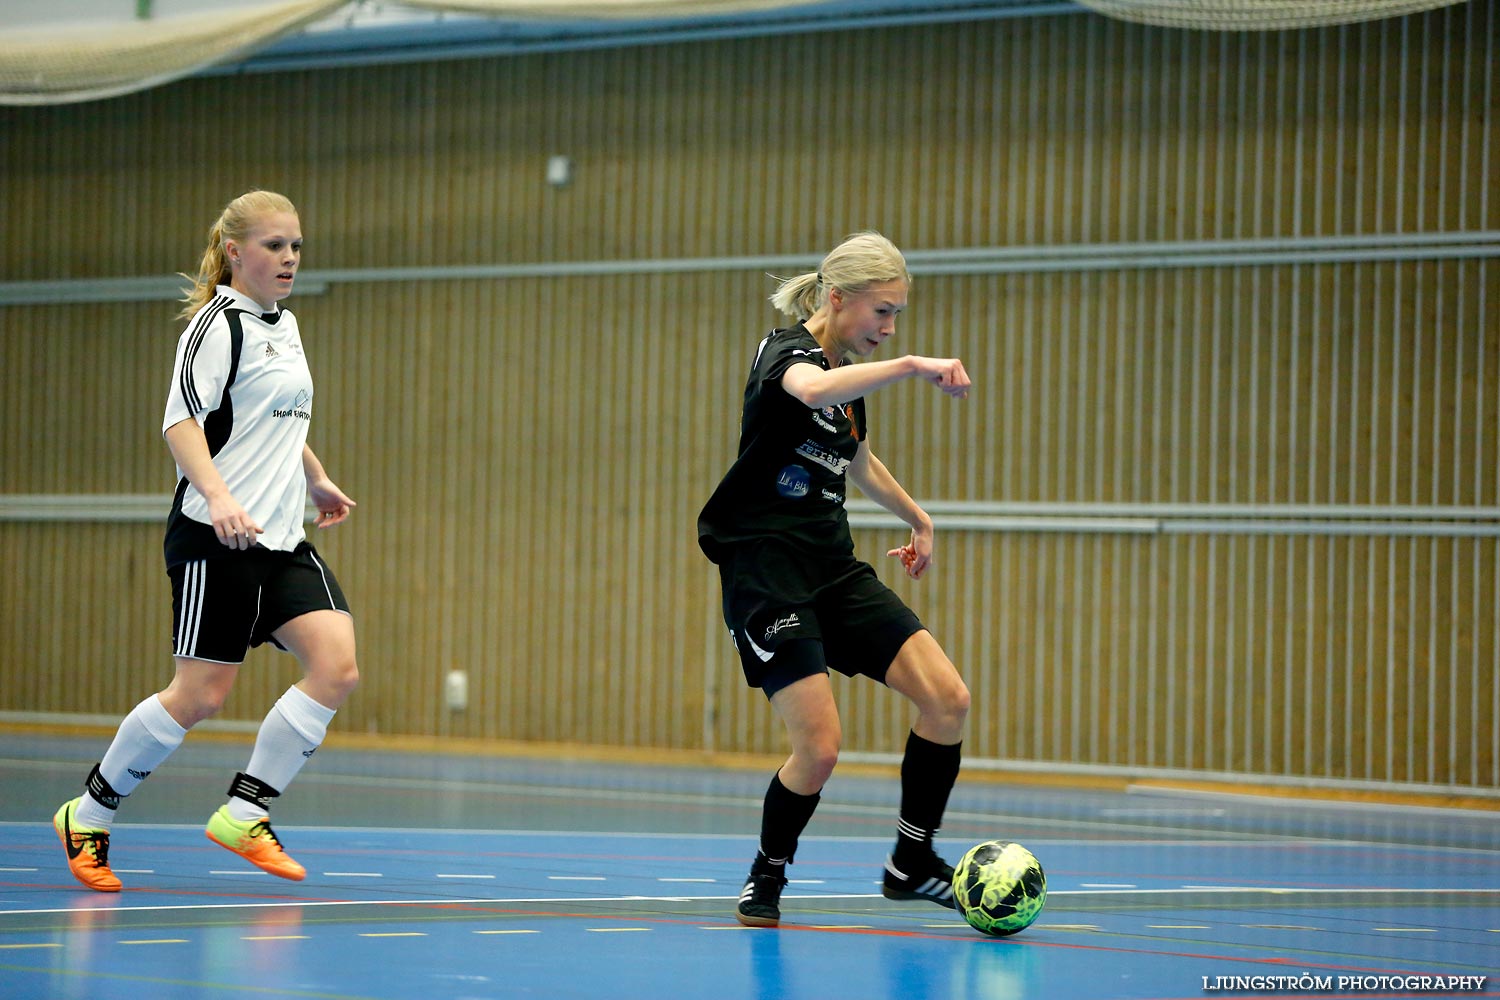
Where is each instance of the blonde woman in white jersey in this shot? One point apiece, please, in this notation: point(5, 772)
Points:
point(242, 570)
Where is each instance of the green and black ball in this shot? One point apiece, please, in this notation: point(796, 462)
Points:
point(1000, 887)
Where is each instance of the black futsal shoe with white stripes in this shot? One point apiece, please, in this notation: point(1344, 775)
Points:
point(931, 879)
point(760, 900)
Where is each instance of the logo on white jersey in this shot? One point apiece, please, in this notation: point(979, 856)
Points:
point(298, 407)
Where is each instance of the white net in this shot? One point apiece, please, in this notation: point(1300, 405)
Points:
point(1257, 15)
point(603, 9)
point(83, 63)
point(69, 63)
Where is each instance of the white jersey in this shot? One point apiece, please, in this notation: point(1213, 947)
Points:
point(242, 375)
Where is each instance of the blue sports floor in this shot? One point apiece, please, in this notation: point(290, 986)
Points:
point(434, 876)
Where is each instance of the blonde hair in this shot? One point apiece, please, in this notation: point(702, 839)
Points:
point(234, 223)
point(862, 260)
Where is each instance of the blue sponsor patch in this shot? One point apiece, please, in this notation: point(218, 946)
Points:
point(793, 482)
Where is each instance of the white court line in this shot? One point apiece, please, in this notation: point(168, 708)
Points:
point(577, 878)
point(18, 869)
point(1230, 840)
point(354, 874)
point(512, 900)
point(237, 871)
point(444, 901)
point(441, 875)
point(684, 879)
point(749, 802)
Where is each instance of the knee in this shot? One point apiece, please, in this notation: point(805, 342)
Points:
point(948, 708)
point(812, 761)
point(189, 705)
point(346, 678)
point(958, 702)
point(208, 706)
point(337, 676)
point(824, 758)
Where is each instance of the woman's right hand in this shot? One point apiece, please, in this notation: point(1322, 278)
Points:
point(235, 528)
point(946, 373)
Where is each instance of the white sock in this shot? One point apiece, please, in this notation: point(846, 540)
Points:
point(146, 737)
point(293, 729)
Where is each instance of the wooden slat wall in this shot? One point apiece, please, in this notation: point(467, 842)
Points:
point(529, 454)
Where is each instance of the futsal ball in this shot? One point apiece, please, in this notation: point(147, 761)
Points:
point(999, 887)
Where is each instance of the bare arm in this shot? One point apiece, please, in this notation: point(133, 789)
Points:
point(876, 482)
point(333, 506)
point(189, 447)
point(816, 387)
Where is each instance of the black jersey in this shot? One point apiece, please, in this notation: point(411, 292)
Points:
point(788, 480)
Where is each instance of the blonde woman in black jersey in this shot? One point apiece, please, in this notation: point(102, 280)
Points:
point(242, 570)
point(796, 600)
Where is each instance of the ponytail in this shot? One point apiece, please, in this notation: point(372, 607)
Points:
point(801, 296)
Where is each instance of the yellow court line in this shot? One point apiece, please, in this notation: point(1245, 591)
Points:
point(157, 941)
point(1408, 930)
point(276, 937)
point(47, 944)
point(614, 930)
point(508, 932)
point(1178, 927)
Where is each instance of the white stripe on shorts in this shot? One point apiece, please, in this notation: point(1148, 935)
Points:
point(194, 576)
point(324, 574)
point(765, 657)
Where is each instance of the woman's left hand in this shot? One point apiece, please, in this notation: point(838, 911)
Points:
point(915, 555)
point(333, 506)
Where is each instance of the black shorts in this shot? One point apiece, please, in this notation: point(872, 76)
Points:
point(223, 606)
point(793, 615)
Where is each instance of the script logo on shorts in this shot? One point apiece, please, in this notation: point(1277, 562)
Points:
point(786, 621)
point(793, 482)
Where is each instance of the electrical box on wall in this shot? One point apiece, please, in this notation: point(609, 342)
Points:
point(456, 690)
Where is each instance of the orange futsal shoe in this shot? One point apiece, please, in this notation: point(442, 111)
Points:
point(254, 841)
point(88, 850)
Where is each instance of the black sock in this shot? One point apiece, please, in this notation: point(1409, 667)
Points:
point(783, 819)
point(928, 771)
